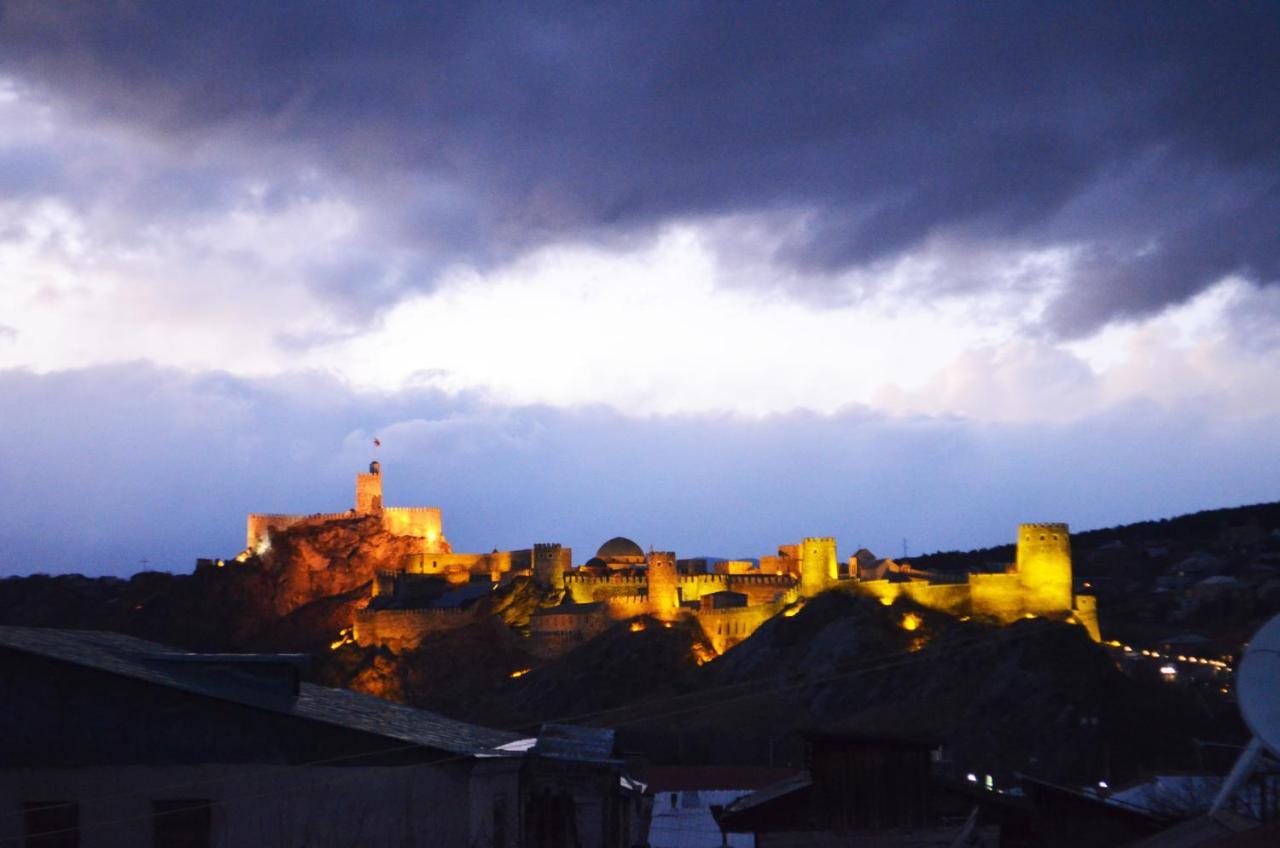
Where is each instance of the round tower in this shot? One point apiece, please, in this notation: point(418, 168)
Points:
point(369, 490)
point(550, 561)
point(1044, 567)
point(664, 584)
point(817, 564)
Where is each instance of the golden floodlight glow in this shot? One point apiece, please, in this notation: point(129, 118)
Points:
point(345, 637)
point(886, 600)
point(703, 654)
point(911, 621)
point(520, 672)
point(637, 626)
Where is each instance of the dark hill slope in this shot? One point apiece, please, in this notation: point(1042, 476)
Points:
point(1037, 697)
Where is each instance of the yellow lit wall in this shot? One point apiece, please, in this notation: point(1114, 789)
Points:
point(664, 597)
point(818, 567)
point(369, 491)
point(1044, 567)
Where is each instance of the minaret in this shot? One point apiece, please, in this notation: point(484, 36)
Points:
point(369, 490)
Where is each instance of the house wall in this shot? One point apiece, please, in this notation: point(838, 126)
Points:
point(682, 819)
point(454, 804)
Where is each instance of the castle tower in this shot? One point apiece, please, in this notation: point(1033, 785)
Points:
point(550, 561)
point(817, 564)
point(369, 490)
point(664, 584)
point(1044, 567)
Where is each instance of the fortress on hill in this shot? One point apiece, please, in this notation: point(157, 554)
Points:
point(433, 588)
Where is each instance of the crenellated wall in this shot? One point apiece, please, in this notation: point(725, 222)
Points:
point(404, 629)
point(585, 588)
point(420, 522)
point(260, 524)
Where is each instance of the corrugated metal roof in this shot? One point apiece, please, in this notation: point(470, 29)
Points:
point(153, 663)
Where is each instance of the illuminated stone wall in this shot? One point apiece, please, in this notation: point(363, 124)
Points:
point(550, 563)
point(420, 522)
point(585, 588)
point(951, 598)
point(725, 628)
point(999, 596)
point(664, 592)
point(818, 566)
point(404, 629)
point(369, 490)
point(260, 524)
point(458, 567)
point(1086, 613)
point(1044, 567)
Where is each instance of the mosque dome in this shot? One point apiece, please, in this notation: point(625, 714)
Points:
point(620, 547)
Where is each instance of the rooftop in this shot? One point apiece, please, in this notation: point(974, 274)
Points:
point(253, 680)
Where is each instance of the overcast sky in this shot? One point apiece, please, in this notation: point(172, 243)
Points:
point(711, 275)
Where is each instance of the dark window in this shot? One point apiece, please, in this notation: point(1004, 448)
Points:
point(51, 824)
point(181, 824)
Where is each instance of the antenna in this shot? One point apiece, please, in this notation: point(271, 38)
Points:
point(1258, 696)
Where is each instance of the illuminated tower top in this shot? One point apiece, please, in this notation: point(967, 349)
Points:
point(369, 490)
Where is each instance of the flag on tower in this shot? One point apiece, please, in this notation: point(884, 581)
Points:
point(377, 443)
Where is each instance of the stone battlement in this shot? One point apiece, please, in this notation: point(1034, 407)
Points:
point(400, 629)
point(1050, 527)
point(259, 524)
point(618, 579)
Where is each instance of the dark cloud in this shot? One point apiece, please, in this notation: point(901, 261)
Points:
point(108, 466)
point(480, 130)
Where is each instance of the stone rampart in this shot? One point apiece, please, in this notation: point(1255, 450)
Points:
point(404, 629)
point(999, 596)
point(951, 598)
point(420, 522)
point(585, 588)
point(446, 563)
point(621, 607)
point(726, 627)
point(260, 524)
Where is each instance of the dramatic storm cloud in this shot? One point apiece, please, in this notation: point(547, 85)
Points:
point(1140, 138)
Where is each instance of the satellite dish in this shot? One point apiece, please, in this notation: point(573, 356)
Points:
point(1258, 686)
point(1258, 696)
